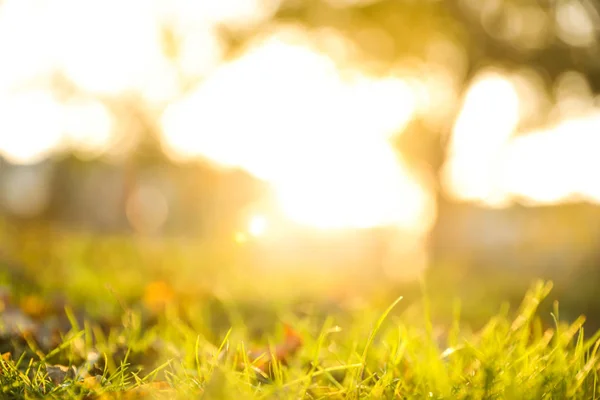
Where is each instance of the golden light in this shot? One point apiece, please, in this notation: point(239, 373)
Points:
point(574, 22)
point(128, 56)
point(240, 238)
point(489, 117)
point(25, 52)
point(257, 225)
point(34, 123)
point(87, 126)
point(554, 165)
point(131, 55)
point(30, 127)
point(108, 47)
point(194, 63)
point(320, 136)
point(235, 13)
point(103, 48)
point(349, 3)
point(547, 166)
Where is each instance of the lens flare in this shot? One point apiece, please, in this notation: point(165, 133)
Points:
point(257, 226)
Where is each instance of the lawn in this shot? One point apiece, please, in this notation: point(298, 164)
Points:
point(107, 318)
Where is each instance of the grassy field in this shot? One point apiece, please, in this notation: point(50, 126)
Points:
point(113, 318)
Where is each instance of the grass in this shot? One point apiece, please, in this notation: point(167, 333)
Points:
point(126, 334)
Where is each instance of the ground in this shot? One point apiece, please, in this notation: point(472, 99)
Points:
point(115, 317)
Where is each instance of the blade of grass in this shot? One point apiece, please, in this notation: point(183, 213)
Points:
point(372, 337)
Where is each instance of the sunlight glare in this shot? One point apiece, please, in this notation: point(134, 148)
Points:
point(488, 118)
point(30, 127)
point(285, 113)
point(490, 165)
point(25, 52)
point(127, 56)
point(235, 13)
point(257, 225)
point(88, 127)
point(554, 165)
point(34, 124)
point(111, 47)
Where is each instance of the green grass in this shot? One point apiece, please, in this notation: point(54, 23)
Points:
point(195, 341)
point(367, 355)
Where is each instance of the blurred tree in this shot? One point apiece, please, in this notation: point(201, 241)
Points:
point(500, 33)
point(547, 37)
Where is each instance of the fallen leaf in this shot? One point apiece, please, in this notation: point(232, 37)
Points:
point(6, 357)
point(34, 306)
point(157, 295)
point(263, 358)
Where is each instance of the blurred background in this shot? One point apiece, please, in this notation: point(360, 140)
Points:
point(336, 145)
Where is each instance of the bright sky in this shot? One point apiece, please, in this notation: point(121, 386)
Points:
point(317, 131)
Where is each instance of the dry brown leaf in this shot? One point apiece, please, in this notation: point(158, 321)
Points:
point(282, 352)
point(157, 295)
point(34, 306)
point(6, 357)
